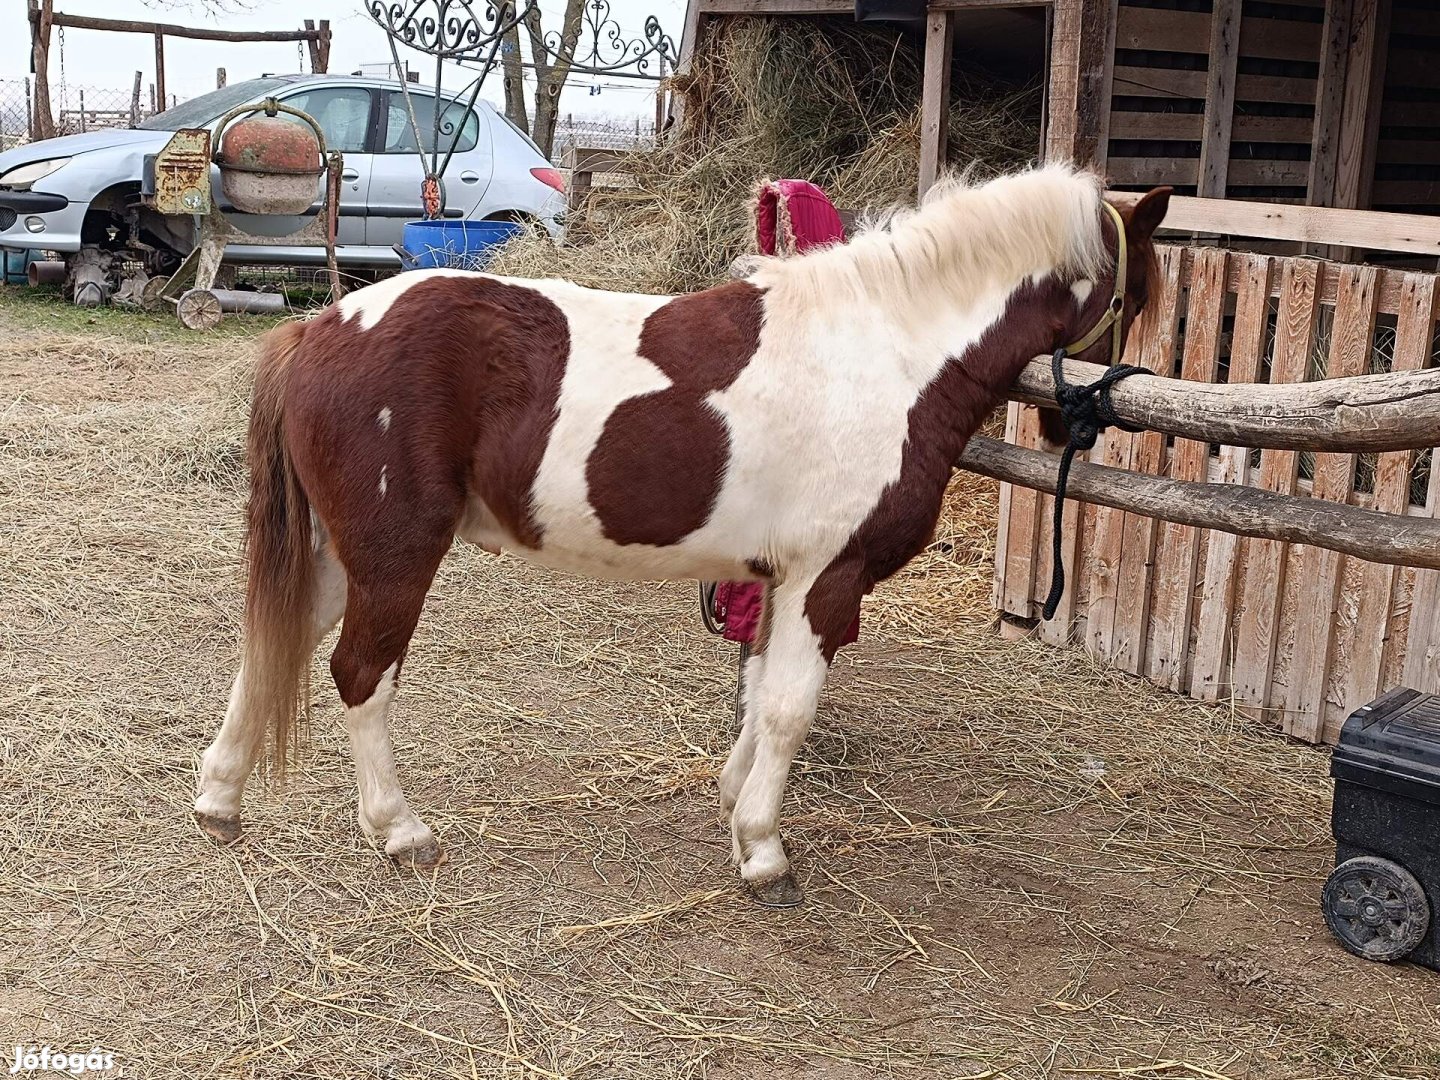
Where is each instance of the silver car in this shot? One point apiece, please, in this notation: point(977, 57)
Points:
point(83, 191)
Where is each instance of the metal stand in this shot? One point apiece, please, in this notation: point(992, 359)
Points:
point(181, 184)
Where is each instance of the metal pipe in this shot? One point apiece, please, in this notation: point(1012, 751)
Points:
point(50, 272)
point(250, 303)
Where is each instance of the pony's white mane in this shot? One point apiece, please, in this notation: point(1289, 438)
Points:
point(964, 239)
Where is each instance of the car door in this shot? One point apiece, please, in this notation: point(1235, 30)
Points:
point(344, 114)
point(399, 164)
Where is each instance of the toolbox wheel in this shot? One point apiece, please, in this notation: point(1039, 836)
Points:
point(1375, 908)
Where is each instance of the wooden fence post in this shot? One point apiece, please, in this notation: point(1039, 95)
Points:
point(220, 78)
point(935, 95)
point(160, 69)
point(135, 101)
point(41, 18)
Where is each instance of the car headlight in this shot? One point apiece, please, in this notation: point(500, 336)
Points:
point(22, 176)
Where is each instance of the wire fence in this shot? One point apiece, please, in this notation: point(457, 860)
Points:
point(609, 134)
point(89, 108)
point(74, 108)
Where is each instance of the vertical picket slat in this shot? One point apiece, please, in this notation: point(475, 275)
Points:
point(1120, 448)
point(1137, 543)
point(1059, 630)
point(1017, 559)
point(1178, 555)
point(1247, 345)
point(1419, 308)
point(1320, 569)
point(1414, 334)
point(1258, 632)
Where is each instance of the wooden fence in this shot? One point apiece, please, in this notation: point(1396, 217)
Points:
point(1296, 633)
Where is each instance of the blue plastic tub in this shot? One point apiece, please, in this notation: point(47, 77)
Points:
point(455, 244)
point(14, 265)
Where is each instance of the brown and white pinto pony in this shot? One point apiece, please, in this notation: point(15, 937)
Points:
point(797, 428)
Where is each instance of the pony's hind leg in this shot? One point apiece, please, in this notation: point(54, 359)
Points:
point(384, 607)
point(229, 760)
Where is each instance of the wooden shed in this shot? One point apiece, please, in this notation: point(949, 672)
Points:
point(1290, 129)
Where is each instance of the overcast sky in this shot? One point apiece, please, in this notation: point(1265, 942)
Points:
point(106, 60)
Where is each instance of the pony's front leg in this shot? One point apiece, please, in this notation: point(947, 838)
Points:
point(778, 718)
point(742, 754)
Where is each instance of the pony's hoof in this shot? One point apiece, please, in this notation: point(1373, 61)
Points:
point(778, 892)
point(425, 857)
point(220, 829)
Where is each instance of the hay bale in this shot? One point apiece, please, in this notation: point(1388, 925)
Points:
point(820, 98)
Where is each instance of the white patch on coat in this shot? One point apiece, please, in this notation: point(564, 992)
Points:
point(383, 809)
point(384, 484)
point(1082, 290)
point(383, 418)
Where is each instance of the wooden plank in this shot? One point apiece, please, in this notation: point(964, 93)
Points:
point(1279, 39)
point(1258, 631)
point(1022, 550)
point(935, 96)
point(1405, 192)
point(1320, 569)
point(1186, 171)
point(1219, 98)
point(1178, 554)
point(1360, 117)
point(1002, 521)
point(1137, 544)
point(1081, 65)
point(1370, 643)
point(1168, 30)
point(1213, 641)
point(1395, 151)
point(1417, 114)
point(1329, 104)
point(1422, 645)
point(1135, 81)
point(1348, 530)
point(1418, 233)
point(1186, 127)
point(130, 26)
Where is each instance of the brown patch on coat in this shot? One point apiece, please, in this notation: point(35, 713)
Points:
point(1037, 320)
point(469, 370)
point(656, 470)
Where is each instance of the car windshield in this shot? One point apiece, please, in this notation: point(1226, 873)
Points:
point(200, 111)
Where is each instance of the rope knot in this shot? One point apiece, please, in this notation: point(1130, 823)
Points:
point(1087, 411)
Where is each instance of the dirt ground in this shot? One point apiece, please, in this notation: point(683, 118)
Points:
point(1016, 865)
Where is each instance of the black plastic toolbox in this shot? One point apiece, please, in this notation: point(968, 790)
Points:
point(1386, 818)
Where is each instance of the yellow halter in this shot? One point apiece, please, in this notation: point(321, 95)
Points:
point(1111, 320)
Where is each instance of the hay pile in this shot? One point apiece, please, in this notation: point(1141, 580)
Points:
point(1018, 867)
point(822, 99)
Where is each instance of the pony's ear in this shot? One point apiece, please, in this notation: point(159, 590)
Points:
point(1147, 214)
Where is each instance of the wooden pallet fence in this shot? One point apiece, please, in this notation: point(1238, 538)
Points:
point(1252, 569)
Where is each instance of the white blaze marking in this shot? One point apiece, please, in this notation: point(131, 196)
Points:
point(384, 484)
point(383, 418)
point(1082, 290)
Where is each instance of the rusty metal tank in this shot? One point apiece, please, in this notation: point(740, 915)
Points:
point(269, 165)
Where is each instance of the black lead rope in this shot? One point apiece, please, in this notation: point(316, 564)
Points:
point(1087, 412)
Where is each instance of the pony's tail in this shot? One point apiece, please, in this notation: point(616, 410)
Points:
point(280, 593)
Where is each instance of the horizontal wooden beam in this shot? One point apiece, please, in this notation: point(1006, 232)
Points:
point(1397, 410)
point(1232, 508)
point(129, 26)
point(1371, 229)
point(777, 7)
